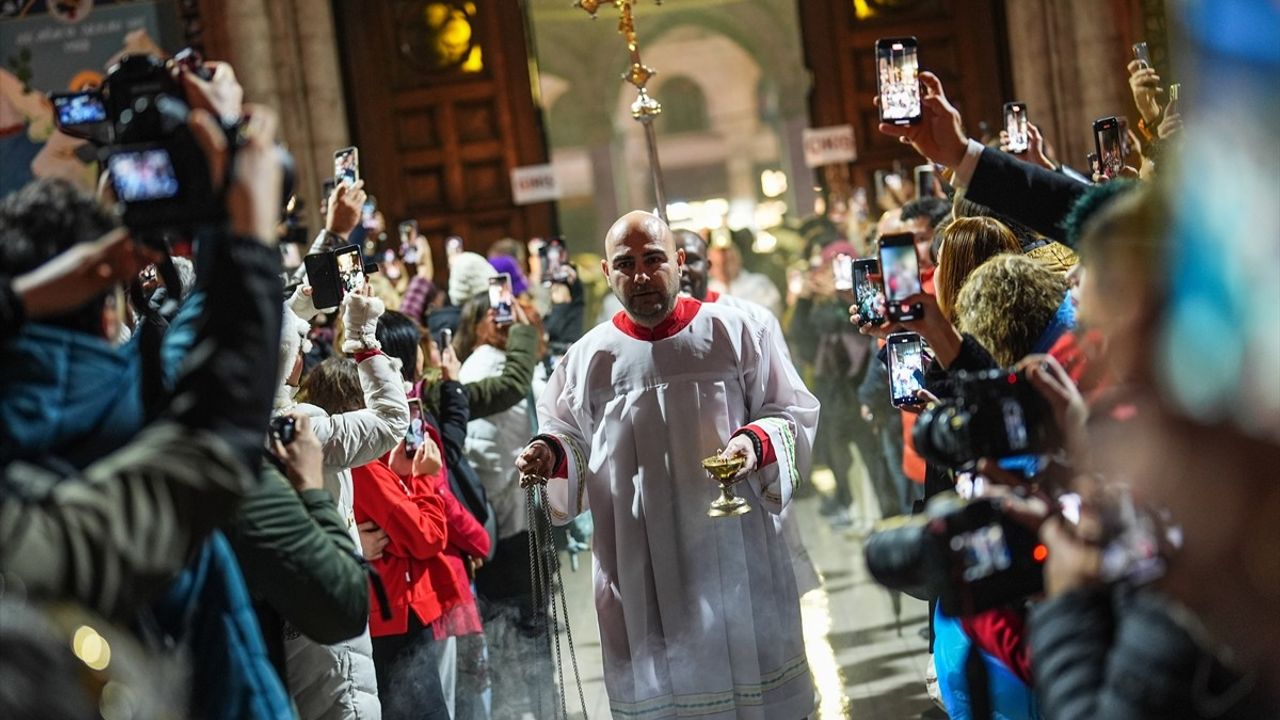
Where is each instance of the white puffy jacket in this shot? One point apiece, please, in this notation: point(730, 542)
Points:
point(337, 682)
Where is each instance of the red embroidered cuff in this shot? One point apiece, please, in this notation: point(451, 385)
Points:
point(561, 452)
point(763, 443)
point(366, 354)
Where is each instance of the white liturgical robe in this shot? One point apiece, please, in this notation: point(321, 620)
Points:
point(699, 616)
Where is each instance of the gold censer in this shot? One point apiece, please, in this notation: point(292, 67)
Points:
point(722, 469)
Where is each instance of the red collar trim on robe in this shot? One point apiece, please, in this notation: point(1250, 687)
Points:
point(711, 297)
point(683, 314)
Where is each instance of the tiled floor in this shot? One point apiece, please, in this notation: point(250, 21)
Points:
point(864, 644)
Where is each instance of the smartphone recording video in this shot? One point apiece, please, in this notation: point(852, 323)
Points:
point(866, 289)
point(906, 368)
point(408, 245)
point(926, 182)
point(897, 69)
point(416, 434)
point(1015, 125)
point(350, 264)
point(1142, 54)
point(842, 270)
point(1106, 138)
point(346, 166)
point(501, 299)
point(553, 255)
point(142, 175)
point(900, 273)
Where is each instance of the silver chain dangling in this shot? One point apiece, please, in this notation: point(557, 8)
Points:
point(544, 569)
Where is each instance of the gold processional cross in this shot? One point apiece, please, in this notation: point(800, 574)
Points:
point(645, 109)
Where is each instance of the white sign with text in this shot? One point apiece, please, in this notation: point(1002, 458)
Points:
point(829, 145)
point(534, 183)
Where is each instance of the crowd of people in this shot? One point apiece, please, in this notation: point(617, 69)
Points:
point(220, 500)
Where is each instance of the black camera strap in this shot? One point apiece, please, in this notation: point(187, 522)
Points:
point(979, 683)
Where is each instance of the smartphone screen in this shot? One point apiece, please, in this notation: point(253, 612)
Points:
point(1015, 125)
point(906, 367)
point(899, 266)
point(453, 246)
point(143, 174)
point(346, 166)
point(1142, 54)
point(866, 289)
point(416, 434)
point(501, 301)
point(1106, 138)
point(350, 268)
point(553, 257)
point(446, 339)
point(1092, 160)
point(842, 270)
point(897, 67)
point(926, 182)
point(368, 211)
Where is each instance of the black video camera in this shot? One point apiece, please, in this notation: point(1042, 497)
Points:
point(994, 414)
point(158, 171)
point(968, 554)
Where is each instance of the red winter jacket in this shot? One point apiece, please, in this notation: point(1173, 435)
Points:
point(467, 539)
point(413, 571)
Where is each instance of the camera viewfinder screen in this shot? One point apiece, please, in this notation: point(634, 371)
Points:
point(416, 434)
point(906, 370)
point(350, 269)
point(898, 67)
point(80, 109)
point(143, 175)
point(901, 270)
point(983, 552)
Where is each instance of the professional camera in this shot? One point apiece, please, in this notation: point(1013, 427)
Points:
point(966, 553)
point(994, 414)
point(158, 171)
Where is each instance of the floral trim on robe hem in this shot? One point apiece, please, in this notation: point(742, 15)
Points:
point(710, 703)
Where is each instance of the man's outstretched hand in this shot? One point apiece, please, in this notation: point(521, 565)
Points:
point(940, 135)
point(741, 445)
point(535, 463)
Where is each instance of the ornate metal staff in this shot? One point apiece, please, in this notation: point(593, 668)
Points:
point(645, 109)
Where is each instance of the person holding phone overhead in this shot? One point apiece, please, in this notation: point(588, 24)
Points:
point(692, 609)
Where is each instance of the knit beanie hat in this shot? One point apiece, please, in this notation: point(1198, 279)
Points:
point(469, 275)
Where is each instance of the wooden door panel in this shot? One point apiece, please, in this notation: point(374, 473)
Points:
point(438, 142)
point(963, 42)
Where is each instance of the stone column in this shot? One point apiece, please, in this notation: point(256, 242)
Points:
point(1069, 68)
point(286, 55)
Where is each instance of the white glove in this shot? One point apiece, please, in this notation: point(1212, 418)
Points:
point(360, 315)
point(303, 305)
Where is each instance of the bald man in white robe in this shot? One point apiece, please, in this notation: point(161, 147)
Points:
point(699, 616)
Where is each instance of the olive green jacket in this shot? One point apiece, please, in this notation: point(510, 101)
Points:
point(113, 536)
point(298, 558)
